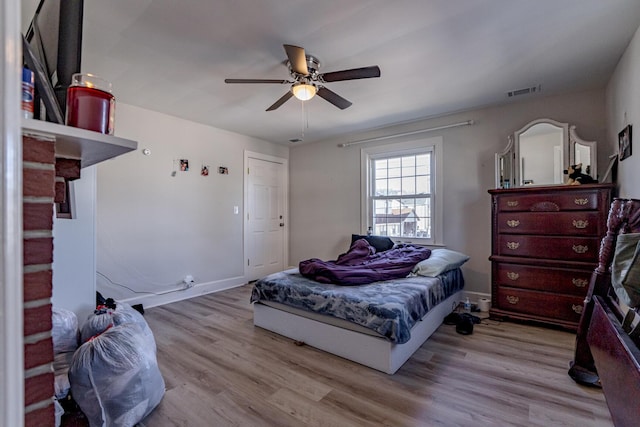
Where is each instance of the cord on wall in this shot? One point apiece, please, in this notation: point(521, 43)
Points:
point(380, 138)
point(181, 288)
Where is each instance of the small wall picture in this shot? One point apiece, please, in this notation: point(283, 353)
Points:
point(184, 165)
point(204, 171)
point(223, 170)
point(624, 143)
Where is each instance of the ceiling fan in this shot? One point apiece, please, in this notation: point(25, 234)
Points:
point(307, 82)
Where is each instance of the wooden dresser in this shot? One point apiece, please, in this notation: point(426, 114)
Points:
point(545, 243)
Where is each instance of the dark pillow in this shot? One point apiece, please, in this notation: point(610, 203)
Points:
point(380, 243)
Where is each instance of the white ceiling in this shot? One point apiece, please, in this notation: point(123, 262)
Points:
point(435, 56)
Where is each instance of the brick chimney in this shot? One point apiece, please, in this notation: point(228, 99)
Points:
point(38, 192)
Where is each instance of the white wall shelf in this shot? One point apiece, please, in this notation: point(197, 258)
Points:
point(75, 143)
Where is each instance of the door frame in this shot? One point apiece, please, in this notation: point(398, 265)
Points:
point(285, 194)
point(11, 299)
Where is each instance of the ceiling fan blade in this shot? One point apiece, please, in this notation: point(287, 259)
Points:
point(353, 74)
point(297, 58)
point(280, 101)
point(256, 81)
point(333, 98)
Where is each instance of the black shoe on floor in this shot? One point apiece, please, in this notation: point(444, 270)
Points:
point(474, 319)
point(452, 319)
point(465, 326)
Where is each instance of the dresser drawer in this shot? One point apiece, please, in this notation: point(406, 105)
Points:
point(562, 307)
point(562, 281)
point(559, 223)
point(562, 248)
point(551, 202)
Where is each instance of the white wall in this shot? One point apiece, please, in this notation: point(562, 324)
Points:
point(153, 228)
point(325, 179)
point(74, 255)
point(623, 108)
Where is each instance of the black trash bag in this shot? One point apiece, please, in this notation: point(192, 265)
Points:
point(115, 377)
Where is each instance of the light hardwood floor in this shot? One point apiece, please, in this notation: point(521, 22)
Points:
point(220, 370)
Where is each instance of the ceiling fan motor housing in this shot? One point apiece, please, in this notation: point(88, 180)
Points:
point(313, 66)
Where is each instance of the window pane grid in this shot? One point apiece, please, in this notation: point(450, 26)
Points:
point(403, 176)
point(401, 196)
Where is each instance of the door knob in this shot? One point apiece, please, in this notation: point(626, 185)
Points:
point(282, 224)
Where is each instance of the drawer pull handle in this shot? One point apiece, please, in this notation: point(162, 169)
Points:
point(580, 249)
point(513, 223)
point(577, 308)
point(512, 299)
point(512, 203)
point(580, 224)
point(512, 275)
point(513, 245)
point(581, 202)
point(580, 283)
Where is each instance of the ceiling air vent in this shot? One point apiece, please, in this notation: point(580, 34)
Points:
point(525, 91)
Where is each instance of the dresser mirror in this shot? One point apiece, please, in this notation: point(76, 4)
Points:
point(540, 152)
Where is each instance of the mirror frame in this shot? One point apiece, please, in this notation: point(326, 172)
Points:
point(512, 151)
point(508, 152)
point(574, 140)
point(516, 144)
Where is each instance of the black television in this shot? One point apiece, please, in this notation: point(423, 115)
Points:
point(53, 51)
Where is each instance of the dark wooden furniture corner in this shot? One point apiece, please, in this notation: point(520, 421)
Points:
point(605, 355)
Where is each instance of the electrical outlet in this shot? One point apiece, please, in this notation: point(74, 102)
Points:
point(188, 281)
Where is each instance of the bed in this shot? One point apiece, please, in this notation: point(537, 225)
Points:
point(378, 324)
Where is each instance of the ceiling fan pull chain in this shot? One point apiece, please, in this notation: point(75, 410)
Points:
point(306, 117)
point(303, 115)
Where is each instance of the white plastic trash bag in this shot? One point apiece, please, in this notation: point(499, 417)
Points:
point(115, 377)
point(103, 318)
point(61, 363)
point(64, 330)
point(59, 412)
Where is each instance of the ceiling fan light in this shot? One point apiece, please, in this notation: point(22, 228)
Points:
point(303, 91)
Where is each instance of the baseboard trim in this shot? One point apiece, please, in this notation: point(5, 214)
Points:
point(197, 290)
point(474, 297)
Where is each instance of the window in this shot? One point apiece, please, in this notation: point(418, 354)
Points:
point(401, 193)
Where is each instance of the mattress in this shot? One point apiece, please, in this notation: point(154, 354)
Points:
point(389, 308)
point(324, 318)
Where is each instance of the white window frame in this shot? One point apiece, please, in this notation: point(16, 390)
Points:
point(435, 146)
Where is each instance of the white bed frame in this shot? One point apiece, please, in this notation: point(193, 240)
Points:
point(374, 352)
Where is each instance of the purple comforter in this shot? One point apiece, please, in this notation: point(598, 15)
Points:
point(361, 264)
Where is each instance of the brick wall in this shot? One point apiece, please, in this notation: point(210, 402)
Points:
point(38, 199)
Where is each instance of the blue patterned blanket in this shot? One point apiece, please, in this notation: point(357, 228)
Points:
point(390, 307)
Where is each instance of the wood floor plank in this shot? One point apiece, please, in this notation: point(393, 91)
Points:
point(311, 413)
point(221, 370)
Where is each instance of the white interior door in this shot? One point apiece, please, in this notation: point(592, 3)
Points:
point(265, 231)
